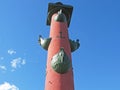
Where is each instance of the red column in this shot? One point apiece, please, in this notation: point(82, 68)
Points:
point(59, 35)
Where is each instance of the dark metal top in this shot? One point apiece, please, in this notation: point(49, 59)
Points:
point(55, 7)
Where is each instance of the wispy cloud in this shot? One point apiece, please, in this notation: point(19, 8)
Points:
point(3, 67)
point(1, 58)
point(8, 86)
point(11, 51)
point(17, 62)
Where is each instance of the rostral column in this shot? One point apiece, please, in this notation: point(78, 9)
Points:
point(59, 72)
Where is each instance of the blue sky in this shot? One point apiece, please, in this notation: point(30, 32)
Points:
point(96, 64)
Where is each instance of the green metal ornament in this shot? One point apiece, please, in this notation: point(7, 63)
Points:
point(61, 63)
point(44, 42)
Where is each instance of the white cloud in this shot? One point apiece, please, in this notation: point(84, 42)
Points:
point(11, 51)
point(17, 62)
point(3, 67)
point(1, 58)
point(23, 62)
point(8, 86)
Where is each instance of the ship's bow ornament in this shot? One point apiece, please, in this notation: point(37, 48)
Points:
point(60, 62)
point(44, 42)
point(74, 45)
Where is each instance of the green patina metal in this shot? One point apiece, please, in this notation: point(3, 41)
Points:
point(55, 7)
point(74, 45)
point(44, 42)
point(61, 63)
point(60, 17)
